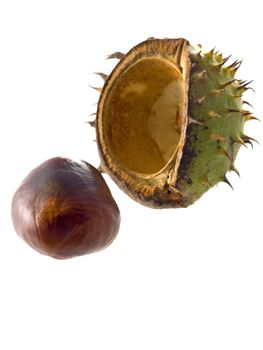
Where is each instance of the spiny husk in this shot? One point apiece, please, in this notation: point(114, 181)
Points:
point(211, 125)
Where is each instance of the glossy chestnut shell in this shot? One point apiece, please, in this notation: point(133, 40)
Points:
point(65, 209)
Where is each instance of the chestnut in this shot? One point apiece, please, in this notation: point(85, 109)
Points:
point(65, 209)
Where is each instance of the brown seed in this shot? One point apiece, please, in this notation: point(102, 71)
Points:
point(65, 209)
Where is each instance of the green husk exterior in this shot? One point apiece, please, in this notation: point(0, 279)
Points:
point(215, 131)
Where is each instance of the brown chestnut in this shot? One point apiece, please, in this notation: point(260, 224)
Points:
point(65, 209)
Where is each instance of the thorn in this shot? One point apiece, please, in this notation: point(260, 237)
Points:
point(217, 137)
point(227, 154)
point(250, 117)
point(233, 168)
point(102, 75)
point(96, 88)
point(234, 110)
point(194, 121)
point(207, 182)
point(235, 65)
point(233, 70)
point(240, 111)
point(200, 100)
point(92, 114)
point(251, 144)
point(239, 63)
point(224, 60)
point(117, 54)
point(247, 103)
point(241, 81)
point(199, 75)
point(150, 38)
point(228, 83)
point(225, 180)
point(210, 53)
point(245, 112)
point(217, 91)
point(240, 141)
point(92, 123)
point(230, 158)
point(214, 114)
point(248, 139)
point(245, 88)
point(245, 84)
point(199, 47)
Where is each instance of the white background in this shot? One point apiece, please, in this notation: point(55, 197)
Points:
point(173, 279)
